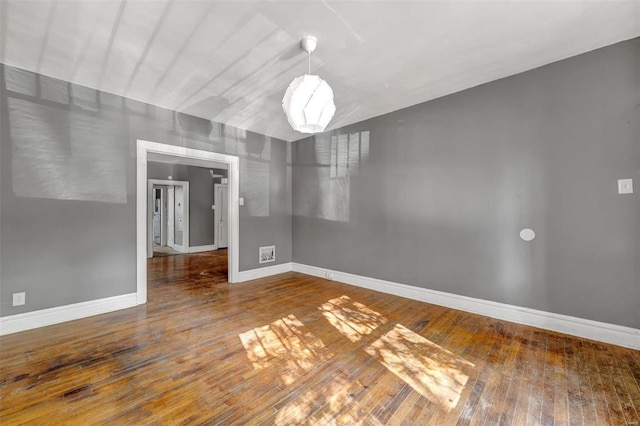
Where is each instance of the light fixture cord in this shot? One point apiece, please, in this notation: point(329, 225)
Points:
point(309, 62)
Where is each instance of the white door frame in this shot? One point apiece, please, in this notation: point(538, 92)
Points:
point(171, 221)
point(216, 213)
point(163, 216)
point(153, 200)
point(143, 148)
point(184, 248)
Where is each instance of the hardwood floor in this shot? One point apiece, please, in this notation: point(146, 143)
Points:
point(295, 349)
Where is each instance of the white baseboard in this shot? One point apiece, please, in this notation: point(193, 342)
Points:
point(198, 249)
point(44, 317)
point(594, 330)
point(254, 274)
point(179, 248)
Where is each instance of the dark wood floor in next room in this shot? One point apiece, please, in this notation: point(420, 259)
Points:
point(293, 349)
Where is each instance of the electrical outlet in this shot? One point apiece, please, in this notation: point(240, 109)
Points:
point(19, 299)
point(625, 186)
point(328, 275)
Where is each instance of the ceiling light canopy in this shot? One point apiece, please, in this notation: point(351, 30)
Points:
point(308, 101)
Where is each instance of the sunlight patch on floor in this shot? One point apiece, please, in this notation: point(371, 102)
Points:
point(285, 346)
point(331, 403)
point(432, 371)
point(352, 319)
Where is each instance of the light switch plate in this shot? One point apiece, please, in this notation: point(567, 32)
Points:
point(625, 186)
point(241, 201)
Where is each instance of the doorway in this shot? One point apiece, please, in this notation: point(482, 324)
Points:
point(159, 222)
point(144, 207)
point(168, 217)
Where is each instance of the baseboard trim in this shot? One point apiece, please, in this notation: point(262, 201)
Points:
point(179, 248)
point(44, 317)
point(198, 249)
point(254, 274)
point(604, 332)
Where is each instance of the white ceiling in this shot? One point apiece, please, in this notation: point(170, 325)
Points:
point(231, 61)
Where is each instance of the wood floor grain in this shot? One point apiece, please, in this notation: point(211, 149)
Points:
point(294, 349)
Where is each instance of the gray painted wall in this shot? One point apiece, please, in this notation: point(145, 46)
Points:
point(68, 185)
point(157, 170)
point(439, 195)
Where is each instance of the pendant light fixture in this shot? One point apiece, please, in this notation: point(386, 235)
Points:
point(308, 101)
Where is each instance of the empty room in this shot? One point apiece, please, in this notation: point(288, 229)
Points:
point(320, 212)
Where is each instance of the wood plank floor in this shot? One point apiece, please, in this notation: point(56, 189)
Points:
point(294, 349)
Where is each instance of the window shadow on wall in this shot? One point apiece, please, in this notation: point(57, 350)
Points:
point(324, 169)
point(65, 145)
point(70, 142)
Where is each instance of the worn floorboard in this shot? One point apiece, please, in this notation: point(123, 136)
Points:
point(294, 349)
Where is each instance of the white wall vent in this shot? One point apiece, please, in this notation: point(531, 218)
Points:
point(267, 254)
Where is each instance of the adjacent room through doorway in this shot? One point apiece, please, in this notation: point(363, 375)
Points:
point(189, 206)
point(169, 217)
point(188, 219)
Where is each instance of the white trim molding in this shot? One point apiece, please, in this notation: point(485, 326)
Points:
point(198, 249)
point(604, 332)
point(254, 274)
point(44, 317)
point(232, 162)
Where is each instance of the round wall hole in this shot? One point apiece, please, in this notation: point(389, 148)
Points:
point(527, 234)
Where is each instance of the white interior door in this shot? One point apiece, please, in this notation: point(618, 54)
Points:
point(170, 217)
point(179, 217)
point(222, 215)
point(163, 217)
point(159, 214)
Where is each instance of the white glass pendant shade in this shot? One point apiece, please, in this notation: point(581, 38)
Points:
point(308, 104)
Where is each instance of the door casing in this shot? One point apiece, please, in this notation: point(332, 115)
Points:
point(218, 219)
point(184, 248)
point(143, 148)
